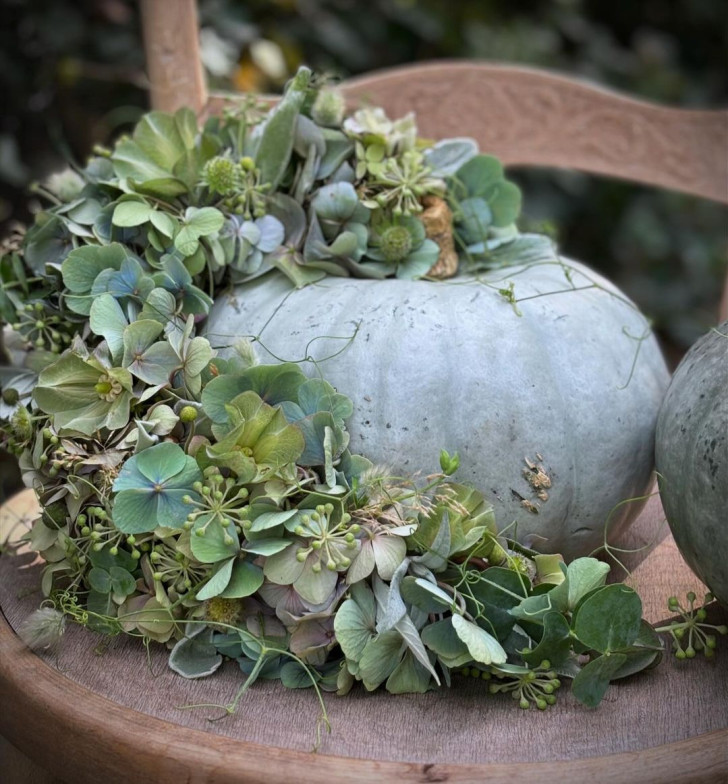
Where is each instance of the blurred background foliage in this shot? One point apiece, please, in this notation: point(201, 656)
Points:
point(73, 73)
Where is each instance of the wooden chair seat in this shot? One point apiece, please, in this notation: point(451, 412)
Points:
point(90, 717)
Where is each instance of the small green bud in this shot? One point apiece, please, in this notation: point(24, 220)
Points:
point(316, 568)
point(316, 544)
point(449, 463)
point(331, 565)
point(131, 539)
point(524, 703)
point(691, 596)
point(328, 108)
point(541, 703)
point(247, 163)
point(188, 414)
point(690, 652)
point(158, 577)
point(85, 530)
point(135, 554)
point(98, 547)
point(10, 396)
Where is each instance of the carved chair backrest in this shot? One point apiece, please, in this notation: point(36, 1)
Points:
point(522, 115)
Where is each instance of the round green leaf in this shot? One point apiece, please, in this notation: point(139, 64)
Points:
point(122, 582)
point(609, 619)
point(211, 546)
point(245, 580)
point(99, 580)
point(131, 213)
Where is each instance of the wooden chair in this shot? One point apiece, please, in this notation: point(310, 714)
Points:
point(109, 718)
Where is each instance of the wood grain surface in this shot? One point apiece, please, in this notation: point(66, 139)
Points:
point(172, 48)
point(85, 715)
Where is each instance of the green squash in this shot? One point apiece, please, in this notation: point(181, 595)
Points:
point(692, 459)
point(552, 411)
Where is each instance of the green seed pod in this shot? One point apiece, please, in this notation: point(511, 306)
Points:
point(328, 108)
point(220, 175)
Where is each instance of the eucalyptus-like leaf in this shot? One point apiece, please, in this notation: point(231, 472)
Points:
point(609, 619)
point(583, 575)
point(555, 643)
point(590, 685)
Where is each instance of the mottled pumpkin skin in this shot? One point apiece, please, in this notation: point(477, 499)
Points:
point(692, 459)
point(451, 365)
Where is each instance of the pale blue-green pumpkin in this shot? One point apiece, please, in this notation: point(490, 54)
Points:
point(692, 459)
point(572, 384)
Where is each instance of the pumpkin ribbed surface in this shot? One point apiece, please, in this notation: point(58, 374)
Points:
point(565, 390)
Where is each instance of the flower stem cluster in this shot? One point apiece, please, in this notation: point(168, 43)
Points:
point(40, 328)
point(691, 634)
point(334, 543)
point(173, 567)
point(239, 184)
point(402, 183)
point(532, 686)
point(220, 499)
